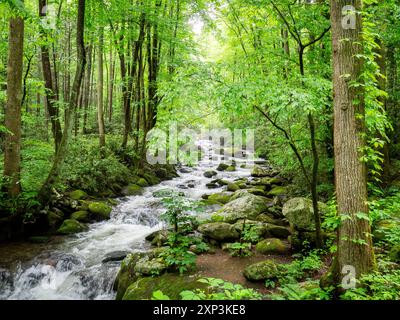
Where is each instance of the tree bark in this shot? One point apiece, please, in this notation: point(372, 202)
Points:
point(12, 150)
point(100, 102)
point(354, 234)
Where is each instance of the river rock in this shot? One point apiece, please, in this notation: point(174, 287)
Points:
point(220, 198)
point(150, 267)
point(169, 284)
point(70, 226)
point(222, 167)
point(115, 256)
point(246, 207)
point(210, 173)
point(259, 172)
point(262, 271)
point(300, 214)
point(212, 186)
point(81, 216)
point(78, 195)
point(271, 246)
point(132, 190)
point(233, 187)
point(219, 231)
point(277, 191)
point(99, 210)
point(142, 183)
point(167, 193)
point(278, 231)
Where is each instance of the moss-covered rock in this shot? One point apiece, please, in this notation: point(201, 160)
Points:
point(219, 231)
point(233, 187)
point(150, 267)
point(142, 183)
point(151, 179)
point(166, 193)
point(100, 211)
point(132, 190)
point(270, 218)
point(210, 173)
point(257, 192)
point(278, 231)
point(126, 274)
point(39, 239)
point(81, 216)
point(271, 246)
point(70, 226)
point(246, 207)
point(262, 271)
point(271, 181)
point(231, 169)
point(222, 198)
point(239, 194)
point(78, 195)
point(222, 167)
point(277, 191)
point(170, 284)
point(259, 172)
point(54, 220)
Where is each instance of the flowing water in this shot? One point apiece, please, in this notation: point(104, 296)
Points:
point(72, 268)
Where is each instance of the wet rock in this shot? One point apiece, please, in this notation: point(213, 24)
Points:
point(222, 167)
point(262, 271)
point(185, 170)
point(39, 239)
point(271, 181)
point(231, 169)
point(142, 183)
point(220, 198)
point(219, 231)
point(212, 186)
point(115, 256)
point(270, 218)
point(132, 190)
point(100, 211)
point(246, 207)
point(272, 246)
point(78, 195)
point(233, 187)
point(259, 172)
point(210, 174)
point(166, 193)
point(277, 191)
point(70, 226)
point(257, 192)
point(239, 194)
point(278, 231)
point(81, 216)
point(158, 238)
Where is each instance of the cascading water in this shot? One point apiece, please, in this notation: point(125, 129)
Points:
point(74, 269)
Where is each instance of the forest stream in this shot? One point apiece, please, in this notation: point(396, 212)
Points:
point(73, 267)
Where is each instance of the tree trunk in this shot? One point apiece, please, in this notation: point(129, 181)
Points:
point(45, 192)
point(12, 150)
point(100, 102)
point(354, 233)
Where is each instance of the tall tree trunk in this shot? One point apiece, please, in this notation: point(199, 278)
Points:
point(48, 79)
point(111, 86)
point(87, 91)
point(45, 192)
point(12, 150)
point(354, 234)
point(100, 102)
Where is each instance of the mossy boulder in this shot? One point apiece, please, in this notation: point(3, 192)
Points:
point(259, 172)
point(278, 231)
point(132, 190)
point(233, 187)
point(257, 192)
point(142, 183)
point(81, 216)
point(262, 271)
point(54, 220)
point(246, 207)
point(99, 210)
point(271, 246)
point(38, 239)
point(210, 173)
point(126, 274)
point(277, 191)
point(222, 167)
point(300, 213)
point(166, 193)
point(151, 179)
point(271, 219)
point(150, 267)
point(231, 169)
point(78, 195)
point(170, 284)
point(219, 231)
point(71, 226)
point(221, 197)
point(270, 181)
point(239, 194)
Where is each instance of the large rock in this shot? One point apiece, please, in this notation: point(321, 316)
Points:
point(100, 211)
point(70, 226)
point(150, 267)
point(262, 271)
point(277, 191)
point(219, 231)
point(233, 187)
point(78, 195)
point(278, 231)
point(132, 190)
point(222, 198)
point(259, 172)
point(169, 284)
point(300, 214)
point(246, 207)
point(271, 246)
point(115, 256)
point(222, 167)
point(81, 216)
point(210, 173)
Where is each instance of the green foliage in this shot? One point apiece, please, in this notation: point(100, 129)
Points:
point(239, 249)
point(308, 290)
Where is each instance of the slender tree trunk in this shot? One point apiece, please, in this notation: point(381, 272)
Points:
point(100, 102)
point(45, 192)
point(12, 150)
point(111, 86)
point(87, 92)
point(354, 235)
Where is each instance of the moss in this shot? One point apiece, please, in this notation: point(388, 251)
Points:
point(170, 284)
point(142, 183)
point(133, 190)
point(151, 179)
point(277, 191)
point(222, 167)
point(271, 246)
point(221, 197)
point(231, 169)
point(262, 270)
point(70, 226)
point(78, 195)
point(54, 220)
point(233, 187)
point(219, 231)
point(100, 210)
point(81, 216)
